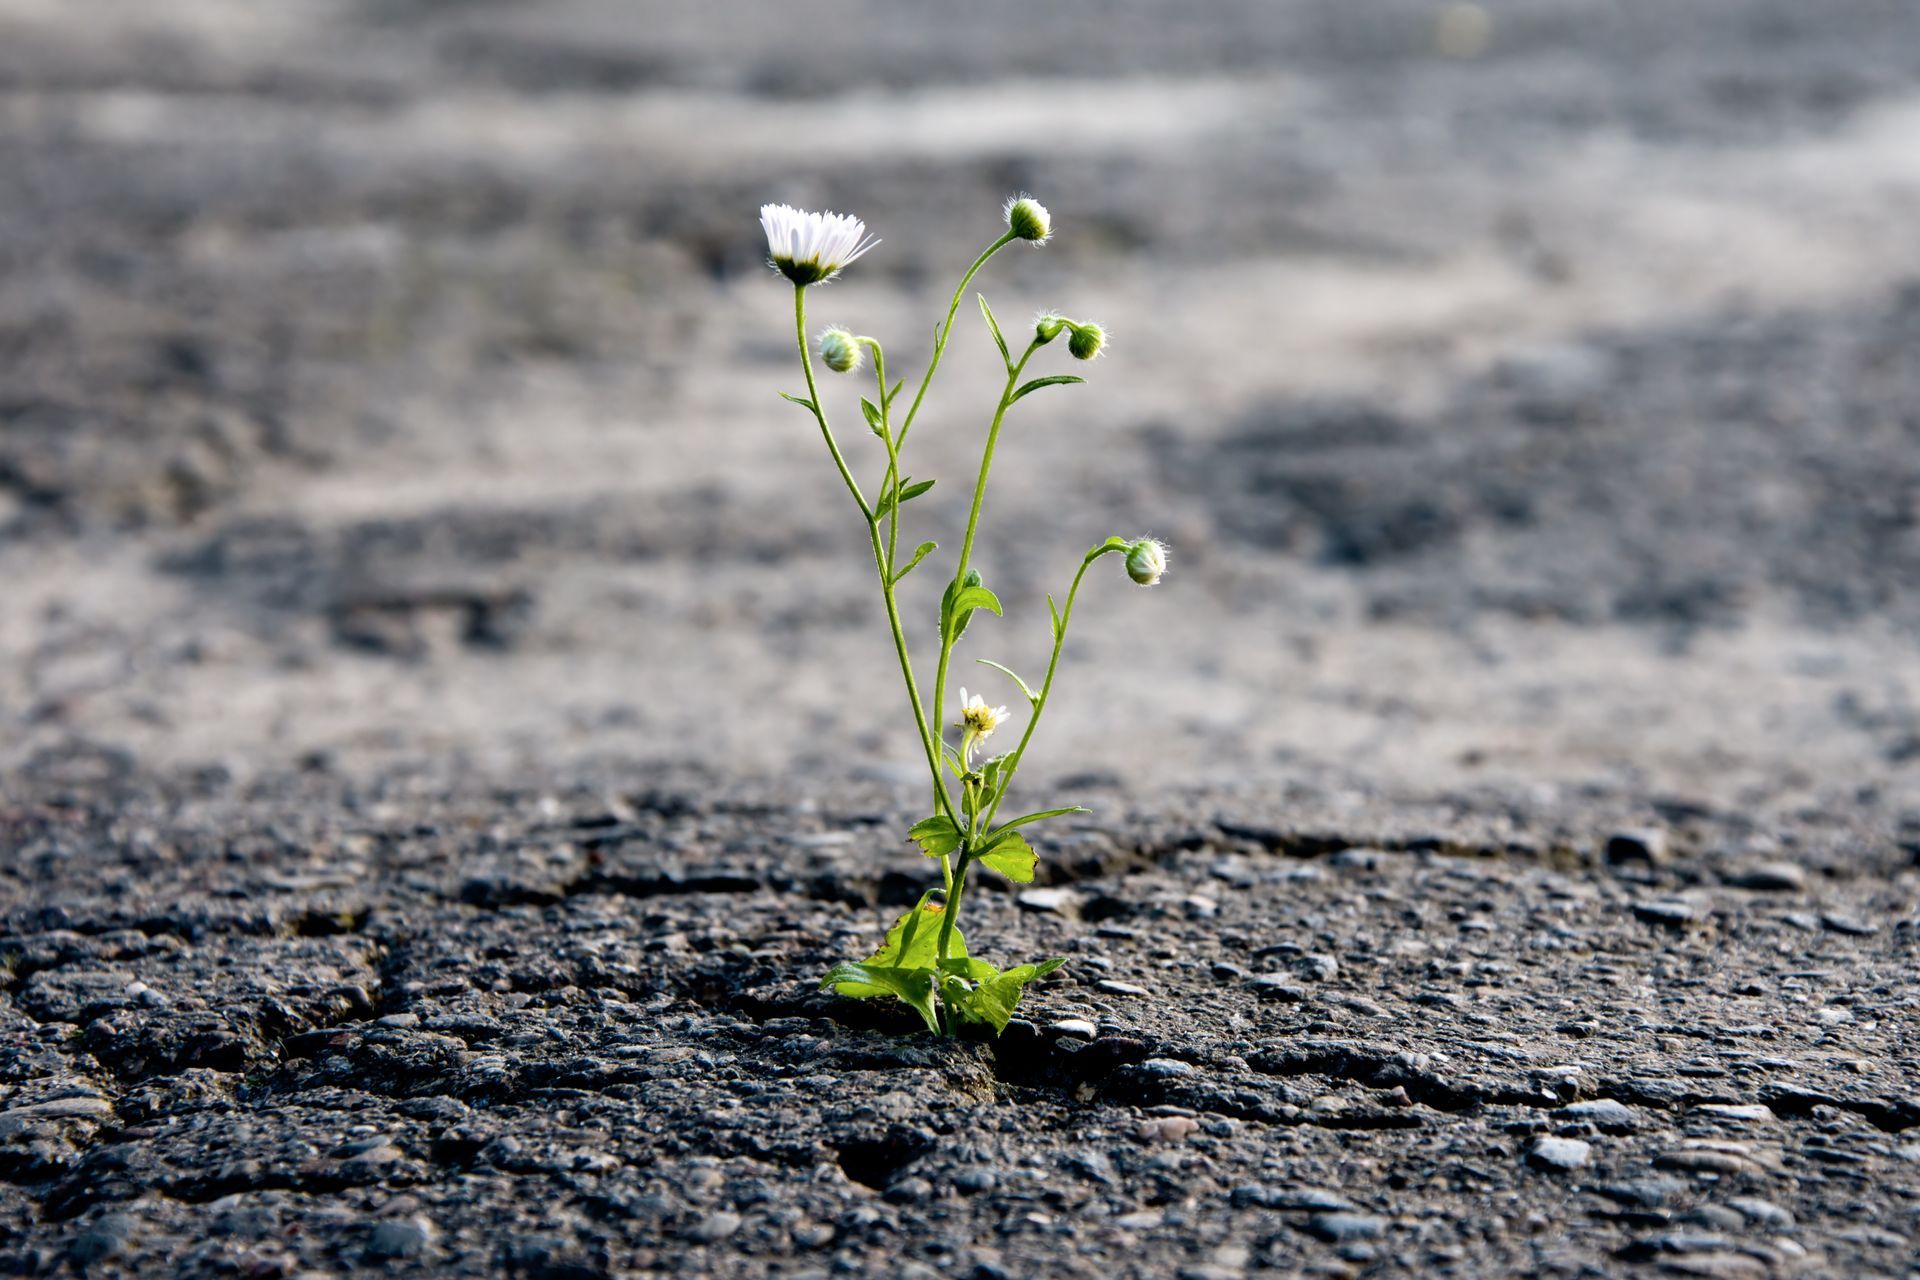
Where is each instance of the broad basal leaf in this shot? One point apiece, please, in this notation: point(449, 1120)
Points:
point(994, 1001)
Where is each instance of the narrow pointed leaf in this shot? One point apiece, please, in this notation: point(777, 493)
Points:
point(920, 553)
point(874, 419)
point(896, 391)
point(1025, 818)
point(1032, 697)
point(994, 325)
point(1052, 380)
point(1054, 611)
point(802, 401)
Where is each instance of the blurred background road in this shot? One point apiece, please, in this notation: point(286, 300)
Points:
point(1528, 390)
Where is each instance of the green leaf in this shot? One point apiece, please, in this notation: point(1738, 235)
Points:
point(896, 391)
point(1054, 610)
point(908, 492)
point(950, 756)
point(973, 970)
point(1025, 818)
point(920, 553)
point(801, 401)
point(953, 619)
point(1053, 380)
point(905, 965)
point(994, 325)
point(1011, 856)
point(1032, 697)
point(994, 1000)
point(971, 598)
point(991, 782)
point(875, 422)
point(1115, 543)
point(935, 835)
point(914, 987)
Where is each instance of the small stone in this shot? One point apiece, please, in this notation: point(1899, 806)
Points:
point(1562, 1155)
point(1317, 968)
point(60, 1109)
point(1705, 1160)
point(907, 1191)
point(1604, 1114)
point(1643, 1193)
point(1200, 907)
point(1338, 1228)
point(1741, 1112)
point(106, 1236)
point(714, 1228)
point(1140, 1220)
point(1225, 971)
point(1311, 1198)
point(1669, 913)
point(1760, 1212)
point(1852, 926)
point(1115, 987)
point(400, 1020)
point(1052, 900)
point(1277, 986)
point(1771, 877)
point(1167, 1129)
point(975, 1181)
point(1079, 1028)
point(401, 1238)
point(1646, 845)
point(1167, 1068)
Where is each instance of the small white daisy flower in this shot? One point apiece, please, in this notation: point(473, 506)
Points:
point(810, 248)
point(977, 720)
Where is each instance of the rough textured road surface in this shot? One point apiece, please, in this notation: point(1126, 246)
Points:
point(446, 728)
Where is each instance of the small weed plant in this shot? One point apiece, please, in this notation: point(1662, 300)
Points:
point(924, 961)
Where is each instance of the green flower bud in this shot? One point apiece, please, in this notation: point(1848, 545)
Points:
point(840, 350)
point(1146, 561)
point(1028, 219)
point(1047, 326)
point(1088, 340)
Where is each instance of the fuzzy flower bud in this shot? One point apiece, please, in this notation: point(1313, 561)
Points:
point(1088, 340)
point(1047, 326)
point(840, 350)
point(1028, 219)
point(1146, 561)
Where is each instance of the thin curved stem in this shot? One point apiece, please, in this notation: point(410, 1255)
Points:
point(1012, 765)
point(946, 331)
point(881, 566)
point(819, 412)
point(973, 526)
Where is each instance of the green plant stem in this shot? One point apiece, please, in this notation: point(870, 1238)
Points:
point(973, 525)
point(813, 394)
point(1012, 765)
point(946, 331)
point(879, 556)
